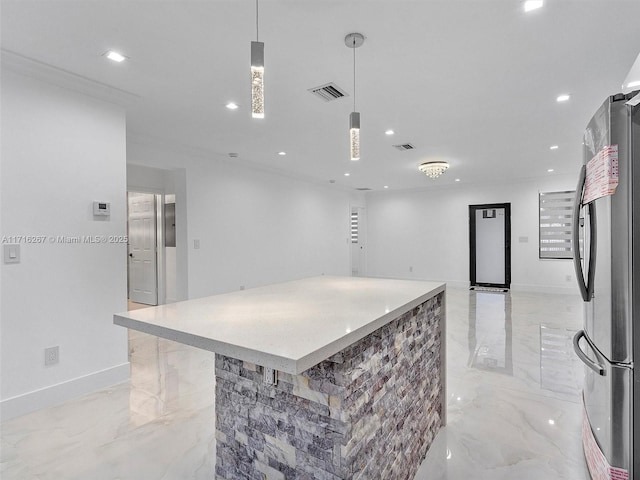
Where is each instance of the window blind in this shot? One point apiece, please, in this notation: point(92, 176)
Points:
point(556, 223)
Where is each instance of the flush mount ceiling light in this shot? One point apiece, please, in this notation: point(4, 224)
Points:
point(563, 98)
point(389, 132)
point(553, 147)
point(353, 41)
point(433, 169)
point(232, 106)
point(282, 154)
point(257, 74)
point(115, 56)
point(530, 5)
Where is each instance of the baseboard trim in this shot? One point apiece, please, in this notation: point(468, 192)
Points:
point(515, 287)
point(572, 290)
point(56, 394)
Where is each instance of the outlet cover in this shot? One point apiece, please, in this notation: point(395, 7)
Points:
point(269, 376)
point(51, 355)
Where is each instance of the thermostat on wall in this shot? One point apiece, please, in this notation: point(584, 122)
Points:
point(102, 209)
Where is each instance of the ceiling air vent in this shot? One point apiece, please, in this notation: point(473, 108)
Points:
point(328, 92)
point(363, 189)
point(404, 146)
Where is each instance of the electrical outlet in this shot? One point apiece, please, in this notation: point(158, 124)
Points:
point(51, 355)
point(269, 376)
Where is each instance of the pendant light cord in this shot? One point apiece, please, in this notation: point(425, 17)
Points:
point(257, 31)
point(354, 73)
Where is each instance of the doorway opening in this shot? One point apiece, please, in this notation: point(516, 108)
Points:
point(490, 246)
point(144, 238)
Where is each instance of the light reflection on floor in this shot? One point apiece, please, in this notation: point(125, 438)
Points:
point(513, 410)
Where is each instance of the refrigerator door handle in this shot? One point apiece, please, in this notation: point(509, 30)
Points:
point(596, 367)
point(593, 243)
point(586, 287)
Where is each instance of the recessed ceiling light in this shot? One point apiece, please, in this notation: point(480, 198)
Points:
point(457, 179)
point(550, 170)
point(386, 186)
point(553, 147)
point(552, 421)
point(282, 154)
point(563, 98)
point(231, 106)
point(115, 56)
point(633, 84)
point(347, 174)
point(389, 132)
point(533, 5)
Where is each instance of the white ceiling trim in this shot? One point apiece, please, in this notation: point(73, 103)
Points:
point(197, 153)
point(47, 73)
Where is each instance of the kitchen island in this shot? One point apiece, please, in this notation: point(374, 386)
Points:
point(325, 377)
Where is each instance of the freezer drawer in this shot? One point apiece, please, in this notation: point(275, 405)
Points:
point(607, 399)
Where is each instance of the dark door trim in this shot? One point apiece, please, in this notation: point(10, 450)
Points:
point(507, 244)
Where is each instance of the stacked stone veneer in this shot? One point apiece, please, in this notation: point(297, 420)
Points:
point(368, 412)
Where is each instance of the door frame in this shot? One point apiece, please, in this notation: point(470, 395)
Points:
point(507, 244)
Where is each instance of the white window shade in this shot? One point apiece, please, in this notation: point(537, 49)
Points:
point(354, 227)
point(556, 224)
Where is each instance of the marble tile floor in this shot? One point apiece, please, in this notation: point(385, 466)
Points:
point(513, 412)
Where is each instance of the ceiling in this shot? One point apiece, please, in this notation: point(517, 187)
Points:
point(470, 82)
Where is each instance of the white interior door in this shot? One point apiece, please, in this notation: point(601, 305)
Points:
point(490, 246)
point(358, 242)
point(143, 274)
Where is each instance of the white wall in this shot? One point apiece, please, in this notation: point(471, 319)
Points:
point(60, 151)
point(254, 227)
point(429, 231)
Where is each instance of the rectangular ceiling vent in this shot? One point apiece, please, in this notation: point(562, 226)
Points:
point(363, 189)
point(328, 92)
point(404, 146)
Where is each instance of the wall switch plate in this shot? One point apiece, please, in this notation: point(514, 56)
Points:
point(196, 244)
point(270, 376)
point(410, 269)
point(523, 239)
point(11, 253)
point(51, 355)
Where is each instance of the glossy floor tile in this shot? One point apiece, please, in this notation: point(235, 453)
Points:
point(514, 408)
point(513, 387)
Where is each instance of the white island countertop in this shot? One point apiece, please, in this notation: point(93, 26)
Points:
point(288, 326)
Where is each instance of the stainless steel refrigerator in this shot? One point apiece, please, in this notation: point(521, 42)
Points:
point(608, 273)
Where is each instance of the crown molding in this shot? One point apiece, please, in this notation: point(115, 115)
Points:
point(29, 67)
point(198, 153)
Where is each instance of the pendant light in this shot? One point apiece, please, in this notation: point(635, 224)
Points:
point(257, 74)
point(354, 40)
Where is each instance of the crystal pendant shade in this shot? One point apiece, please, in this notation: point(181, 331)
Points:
point(354, 135)
point(257, 79)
